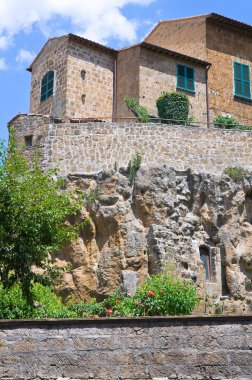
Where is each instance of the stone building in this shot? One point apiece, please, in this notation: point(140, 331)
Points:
point(204, 56)
point(227, 45)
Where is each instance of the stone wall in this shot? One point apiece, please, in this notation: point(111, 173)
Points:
point(224, 47)
point(158, 74)
point(52, 57)
point(187, 348)
point(221, 46)
point(77, 94)
point(90, 94)
point(127, 82)
point(91, 147)
point(187, 36)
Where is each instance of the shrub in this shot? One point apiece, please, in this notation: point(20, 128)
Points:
point(226, 122)
point(161, 294)
point(236, 173)
point(173, 106)
point(133, 167)
point(86, 310)
point(13, 304)
point(139, 111)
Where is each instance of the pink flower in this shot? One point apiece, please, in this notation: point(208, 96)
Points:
point(36, 304)
point(150, 293)
point(109, 311)
point(137, 303)
point(161, 291)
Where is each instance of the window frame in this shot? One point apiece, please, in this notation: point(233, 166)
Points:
point(242, 80)
point(46, 84)
point(185, 78)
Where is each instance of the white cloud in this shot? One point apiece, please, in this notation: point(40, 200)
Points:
point(25, 56)
point(96, 19)
point(3, 65)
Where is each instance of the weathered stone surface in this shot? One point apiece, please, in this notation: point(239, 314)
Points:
point(104, 146)
point(194, 348)
point(165, 218)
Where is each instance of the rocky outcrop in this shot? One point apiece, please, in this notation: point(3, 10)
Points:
point(200, 223)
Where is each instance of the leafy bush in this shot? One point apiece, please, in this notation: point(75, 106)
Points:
point(139, 111)
point(86, 310)
point(226, 122)
point(161, 294)
point(237, 173)
point(133, 167)
point(13, 305)
point(173, 106)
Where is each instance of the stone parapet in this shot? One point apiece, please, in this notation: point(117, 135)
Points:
point(178, 348)
point(86, 148)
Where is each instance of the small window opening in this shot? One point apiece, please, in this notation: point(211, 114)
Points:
point(28, 141)
point(83, 74)
point(205, 257)
point(83, 98)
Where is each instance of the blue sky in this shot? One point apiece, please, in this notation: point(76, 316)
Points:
point(26, 25)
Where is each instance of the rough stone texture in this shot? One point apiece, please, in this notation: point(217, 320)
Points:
point(92, 147)
point(164, 219)
point(75, 96)
point(207, 348)
point(220, 45)
point(53, 57)
point(91, 96)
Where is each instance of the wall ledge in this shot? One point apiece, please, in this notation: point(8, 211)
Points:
point(188, 319)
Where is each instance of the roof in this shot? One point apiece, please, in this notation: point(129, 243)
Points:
point(172, 53)
point(242, 26)
point(215, 17)
point(81, 40)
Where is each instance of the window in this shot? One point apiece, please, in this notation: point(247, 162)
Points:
point(185, 78)
point(47, 86)
point(205, 257)
point(28, 141)
point(242, 80)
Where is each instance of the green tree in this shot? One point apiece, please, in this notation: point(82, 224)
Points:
point(33, 212)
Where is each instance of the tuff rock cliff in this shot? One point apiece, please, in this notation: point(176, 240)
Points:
point(166, 217)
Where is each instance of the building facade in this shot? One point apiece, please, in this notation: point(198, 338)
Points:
point(227, 45)
point(207, 57)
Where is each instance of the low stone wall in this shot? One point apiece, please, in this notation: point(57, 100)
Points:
point(91, 147)
point(186, 348)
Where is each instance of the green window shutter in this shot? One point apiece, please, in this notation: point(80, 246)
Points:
point(242, 80)
point(185, 78)
point(47, 85)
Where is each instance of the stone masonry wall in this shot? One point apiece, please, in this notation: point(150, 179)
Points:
point(53, 57)
point(158, 74)
point(187, 348)
point(224, 47)
point(91, 147)
point(91, 95)
point(187, 36)
point(127, 83)
point(219, 45)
